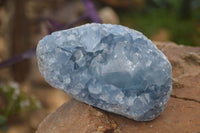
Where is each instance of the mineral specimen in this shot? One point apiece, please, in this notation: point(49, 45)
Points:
point(111, 67)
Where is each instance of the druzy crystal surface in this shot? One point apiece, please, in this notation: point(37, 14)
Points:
point(111, 67)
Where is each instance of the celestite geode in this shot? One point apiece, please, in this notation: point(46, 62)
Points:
point(111, 67)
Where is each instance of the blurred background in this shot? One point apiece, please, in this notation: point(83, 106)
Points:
point(25, 98)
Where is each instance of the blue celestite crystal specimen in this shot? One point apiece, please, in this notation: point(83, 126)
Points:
point(111, 67)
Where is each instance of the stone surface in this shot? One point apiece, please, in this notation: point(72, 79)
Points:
point(186, 70)
point(88, 119)
point(76, 117)
point(108, 66)
point(182, 112)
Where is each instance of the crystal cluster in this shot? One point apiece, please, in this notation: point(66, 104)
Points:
point(111, 67)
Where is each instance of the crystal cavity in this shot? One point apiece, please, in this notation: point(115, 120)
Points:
point(111, 67)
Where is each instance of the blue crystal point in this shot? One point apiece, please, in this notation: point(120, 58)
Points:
point(111, 67)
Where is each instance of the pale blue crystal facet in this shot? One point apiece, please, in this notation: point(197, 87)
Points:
point(111, 67)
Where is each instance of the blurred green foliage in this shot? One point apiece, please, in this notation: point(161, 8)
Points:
point(181, 18)
point(14, 100)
